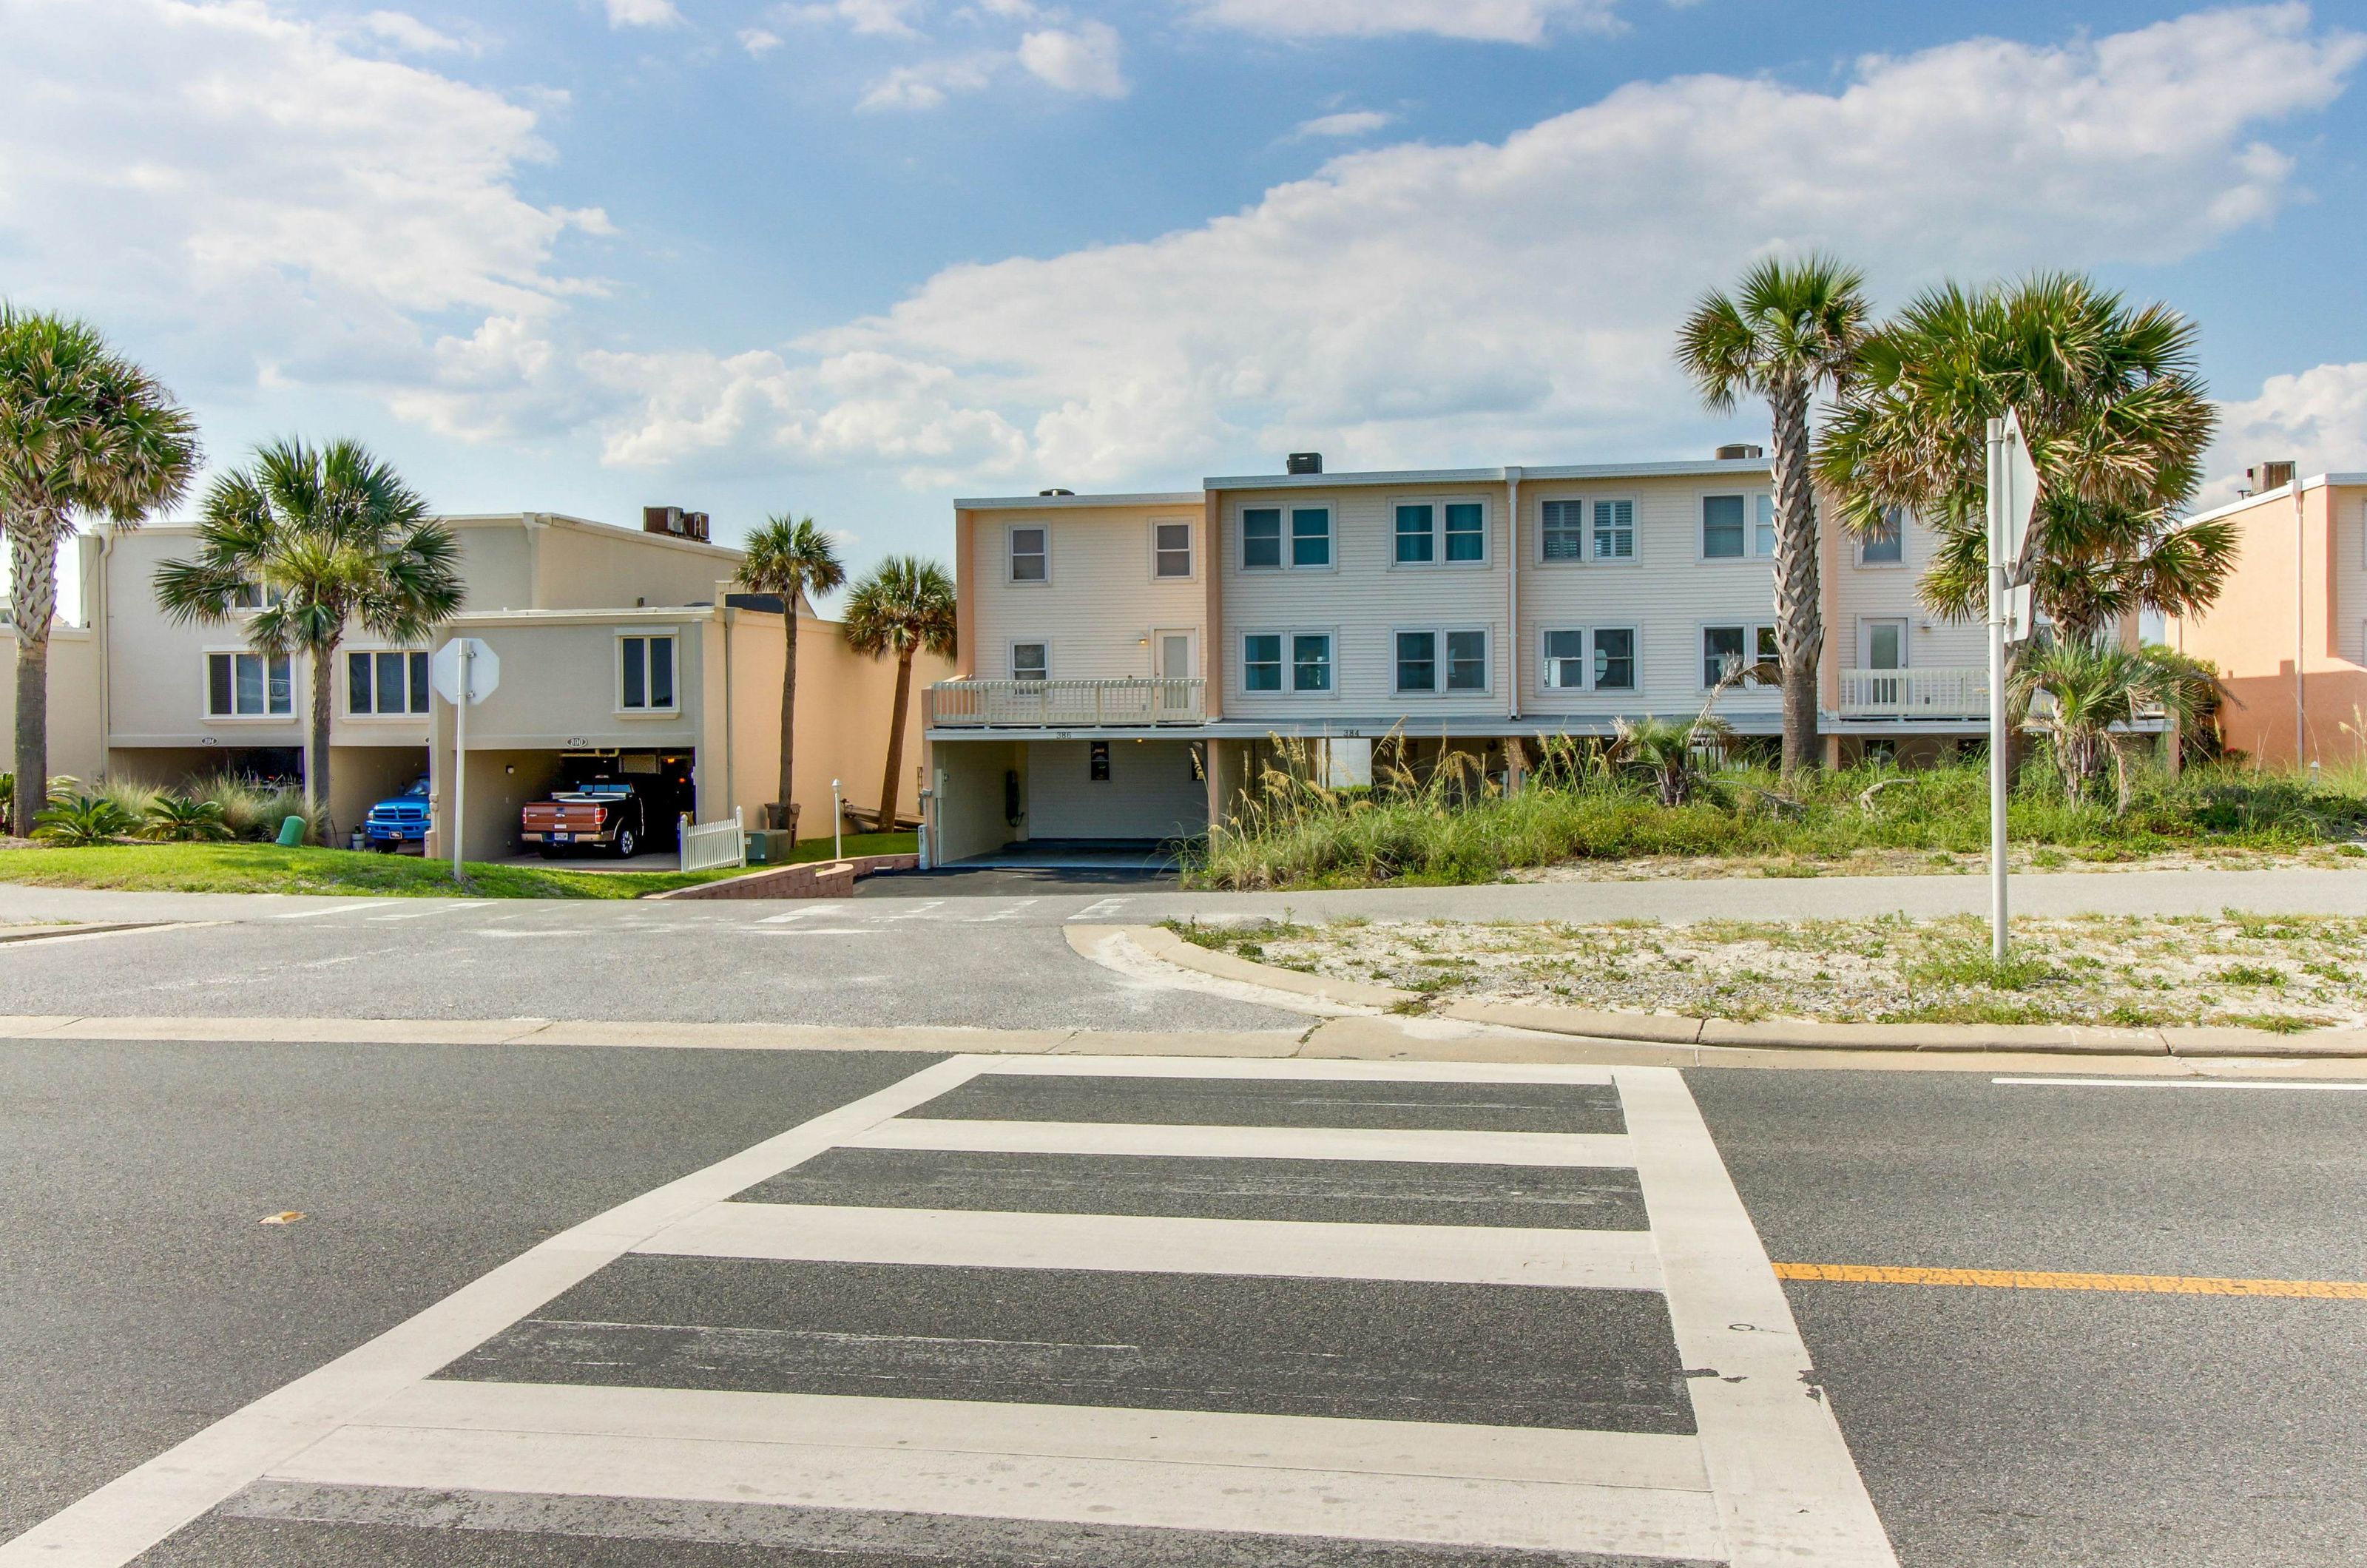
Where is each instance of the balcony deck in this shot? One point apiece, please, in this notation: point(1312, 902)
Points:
point(1066, 704)
point(1939, 693)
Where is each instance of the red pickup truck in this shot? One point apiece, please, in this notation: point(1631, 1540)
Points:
point(603, 814)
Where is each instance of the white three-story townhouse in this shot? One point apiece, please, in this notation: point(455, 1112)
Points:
point(1131, 660)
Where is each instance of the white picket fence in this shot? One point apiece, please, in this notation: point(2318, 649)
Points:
point(705, 845)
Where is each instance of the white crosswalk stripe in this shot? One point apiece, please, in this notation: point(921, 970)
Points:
point(1193, 1376)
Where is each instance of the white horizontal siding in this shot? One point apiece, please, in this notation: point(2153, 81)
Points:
point(1101, 600)
point(2349, 545)
point(1856, 594)
point(1363, 600)
point(1152, 791)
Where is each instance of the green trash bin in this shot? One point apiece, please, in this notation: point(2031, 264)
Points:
point(291, 832)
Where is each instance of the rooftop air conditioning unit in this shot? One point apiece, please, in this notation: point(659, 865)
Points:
point(1739, 451)
point(2270, 476)
point(694, 525)
point(660, 519)
point(1306, 463)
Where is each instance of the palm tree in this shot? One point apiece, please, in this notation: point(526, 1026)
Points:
point(2096, 692)
point(82, 431)
point(332, 539)
point(1791, 331)
point(903, 606)
point(793, 559)
point(2117, 420)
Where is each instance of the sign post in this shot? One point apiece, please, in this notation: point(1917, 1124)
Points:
point(2012, 497)
point(465, 672)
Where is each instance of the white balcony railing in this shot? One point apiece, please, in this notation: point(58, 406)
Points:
point(1915, 694)
point(1066, 704)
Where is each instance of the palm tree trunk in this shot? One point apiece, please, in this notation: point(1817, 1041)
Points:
point(1799, 603)
point(32, 601)
point(788, 706)
point(316, 744)
point(896, 742)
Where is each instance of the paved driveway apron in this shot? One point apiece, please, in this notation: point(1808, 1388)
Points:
point(1141, 1312)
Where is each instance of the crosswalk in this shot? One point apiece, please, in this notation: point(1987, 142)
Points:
point(1087, 1312)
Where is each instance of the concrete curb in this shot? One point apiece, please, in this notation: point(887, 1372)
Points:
point(1667, 1028)
point(810, 879)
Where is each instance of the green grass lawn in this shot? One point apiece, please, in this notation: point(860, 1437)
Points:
point(809, 850)
point(267, 868)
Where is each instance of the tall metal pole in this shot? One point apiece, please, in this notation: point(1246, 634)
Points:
point(2301, 630)
point(459, 756)
point(1996, 691)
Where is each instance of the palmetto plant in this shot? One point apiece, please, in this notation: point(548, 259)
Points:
point(794, 558)
point(2117, 420)
point(1790, 331)
point(337, 540)
point(80, 821)
point(173, 819)
point(2094, 694)
point(904, 606)
point(83, 432)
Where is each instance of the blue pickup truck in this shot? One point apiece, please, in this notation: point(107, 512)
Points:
point(393, 824)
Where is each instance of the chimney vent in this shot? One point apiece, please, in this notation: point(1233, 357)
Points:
point(2272, 475)
point(1055, 492)
point(1306, 463)
point(1739, 451)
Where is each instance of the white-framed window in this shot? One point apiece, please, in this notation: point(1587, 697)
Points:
point(241, 684)
point(1887, 545)
point(386, 682)
point(1737, 527)
point(1298, 662)
point(1427, 532)
point(1579, 658)
point(1031, 660)
point(1277, 537)
point(1028, 550)
point(254, 596)
point(1587, 528)
point(645, 672)
point(1725, 649)
point(1561, 530)
point(1440, 658)
point(1170, 550)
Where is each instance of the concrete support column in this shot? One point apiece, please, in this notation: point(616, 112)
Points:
point(1219, 755)
point(1832, 750)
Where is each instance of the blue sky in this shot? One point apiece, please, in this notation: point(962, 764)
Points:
point(855, 257)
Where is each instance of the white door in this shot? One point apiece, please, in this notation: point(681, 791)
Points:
point(1175, 658)
point(1882, 645)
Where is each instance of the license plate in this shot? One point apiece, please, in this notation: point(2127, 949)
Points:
point(563, 838)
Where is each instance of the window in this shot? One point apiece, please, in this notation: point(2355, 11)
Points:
point(1417, 661)
point(1171, 549)
point(645, 673)
point(254, 596)
point(1031, 554)
point(386, 684)
point(1311, 662)
point(1414, 540)
point(1614, 659)
point(1262, 662)
point(1611, 669)
point(1886, 545)
point(1261, 537)
point(249, 686)
point(1564, 533)
point(1466, 662)
point(1031, 661)
point(1565, 661)
point(1467, 531)
point(1736, 527)
point(1614, 530)
point(1723, 648)
point(1311, 535)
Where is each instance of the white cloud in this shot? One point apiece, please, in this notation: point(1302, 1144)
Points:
point(2319, 418)
point(408, 32)
point(1502, 21)
point(642, 13)
point(1083, 59)
point(1348, 122)
point(277, 207)
point(928, 85)
point(885, 18)
point(1516, 301)
point(758, 43)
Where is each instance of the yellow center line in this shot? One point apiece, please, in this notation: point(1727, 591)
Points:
point(2041, 1279)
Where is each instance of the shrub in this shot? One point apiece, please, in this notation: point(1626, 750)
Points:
point(174, 819)
point(82, 820)
point(252, 808)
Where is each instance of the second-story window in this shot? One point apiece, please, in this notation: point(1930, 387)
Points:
point(1762, 526)
point(645, 673)
point(249, 686)
point(1562, 535)
point(1724, 650)
point(1452, 531)
point(1887, 545)
point(1031, 661)
point(1310, 662)
point(1261, 537)
point(385, 684)
point(1614, 659)
point(1273, 538)
point(1031, 560)
point(1170, 550)
point(1298, 661)
point(1417, 661)
point(1262, 661)
point(1311, 535)
point(1722, 532)
point(1417, 525)
point(1614, 530)
point(1610, 668)
point(1467, 531)
point(1432, 661)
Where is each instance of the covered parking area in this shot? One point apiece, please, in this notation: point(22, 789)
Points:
point(1107, 801)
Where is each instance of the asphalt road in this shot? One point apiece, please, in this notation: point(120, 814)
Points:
point(142, 1301)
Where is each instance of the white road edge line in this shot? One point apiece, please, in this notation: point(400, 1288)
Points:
point(2181, 1083)
point(437, 906)
point(1787, 1487)
point(132, 1513)
point(337, 909)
